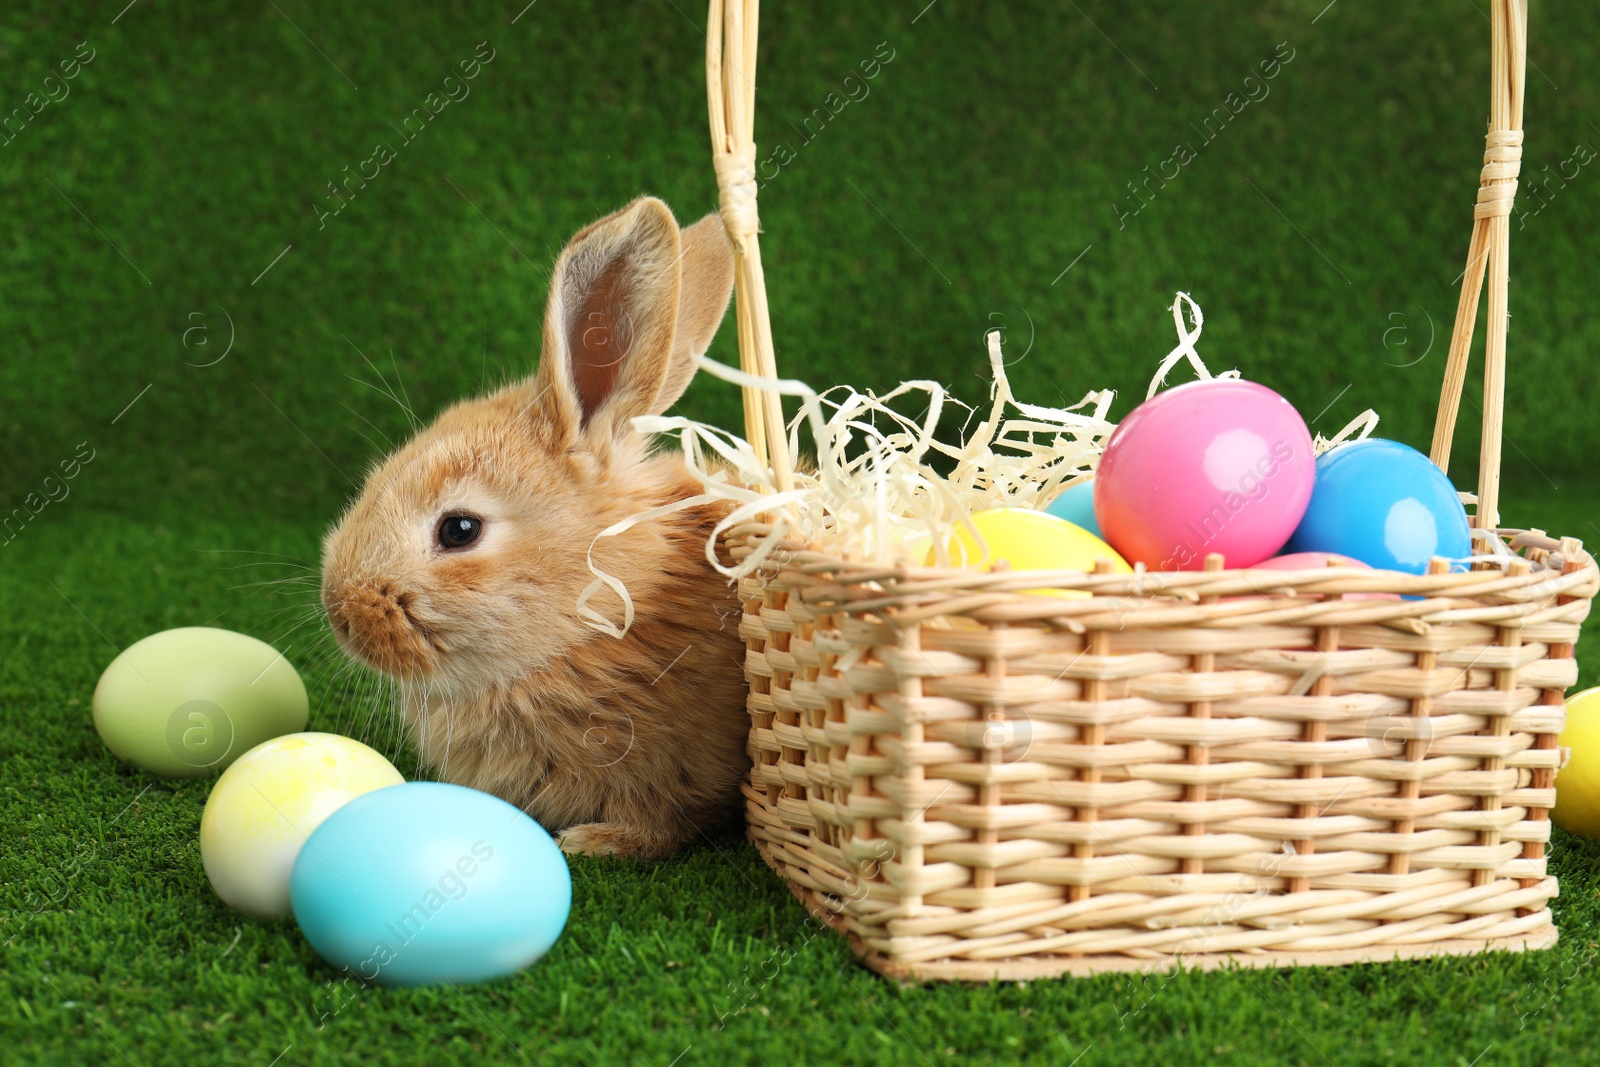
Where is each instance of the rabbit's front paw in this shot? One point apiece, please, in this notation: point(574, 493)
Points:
point(618, 839)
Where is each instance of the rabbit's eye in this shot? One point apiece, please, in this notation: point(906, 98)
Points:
point(459, 531)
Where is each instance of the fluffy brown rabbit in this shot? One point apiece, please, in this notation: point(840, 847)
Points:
point(457, 571)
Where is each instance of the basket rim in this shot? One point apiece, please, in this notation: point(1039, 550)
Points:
point(1527, 590)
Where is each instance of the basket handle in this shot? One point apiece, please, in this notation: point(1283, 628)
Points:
point(1489, 252)
point(731, 88)
point(731, 94)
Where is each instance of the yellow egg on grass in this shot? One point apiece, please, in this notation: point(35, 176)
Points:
point(1029, 540)
point(267, 803)
point(1578, 783)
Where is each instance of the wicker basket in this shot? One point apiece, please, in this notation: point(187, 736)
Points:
point(973, 783)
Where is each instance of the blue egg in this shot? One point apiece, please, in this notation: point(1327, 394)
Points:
point(1076, 505)
point(1385, 504)
point(425, 882)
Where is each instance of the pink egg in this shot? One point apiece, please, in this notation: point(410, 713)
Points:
point(1305, 561)
point(1216, 466)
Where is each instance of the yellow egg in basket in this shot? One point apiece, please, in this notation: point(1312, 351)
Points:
point(1021, 539)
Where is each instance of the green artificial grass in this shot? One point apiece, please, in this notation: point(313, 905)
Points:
point(196, 334)
point(115, 943)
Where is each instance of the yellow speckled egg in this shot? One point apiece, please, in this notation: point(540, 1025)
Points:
point(1578, 783)
point(1029, 540)
point(267, 803)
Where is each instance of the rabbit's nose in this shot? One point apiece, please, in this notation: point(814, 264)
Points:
point(373, 621)
point(352, 606)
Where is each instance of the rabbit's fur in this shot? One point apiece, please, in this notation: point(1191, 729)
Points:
point(628, 746)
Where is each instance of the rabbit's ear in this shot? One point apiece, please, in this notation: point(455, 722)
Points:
point(707, 283)
point(611, 320)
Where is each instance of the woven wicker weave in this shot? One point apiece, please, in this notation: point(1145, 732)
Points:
point(1253, 767)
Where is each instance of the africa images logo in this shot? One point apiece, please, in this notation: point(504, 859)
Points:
point(383, 153)
point(452, 885)
point(1252, 485)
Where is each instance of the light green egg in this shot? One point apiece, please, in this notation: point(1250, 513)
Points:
point(186, 703)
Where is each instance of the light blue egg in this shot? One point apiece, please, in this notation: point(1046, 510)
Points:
point(1385, 504)
point(425, 882)
point(1076, 505)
